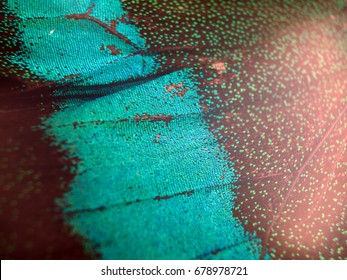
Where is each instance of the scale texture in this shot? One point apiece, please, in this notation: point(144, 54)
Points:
point(173, 129)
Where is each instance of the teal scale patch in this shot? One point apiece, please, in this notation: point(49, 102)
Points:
point(151, 180)
point(164, 183)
